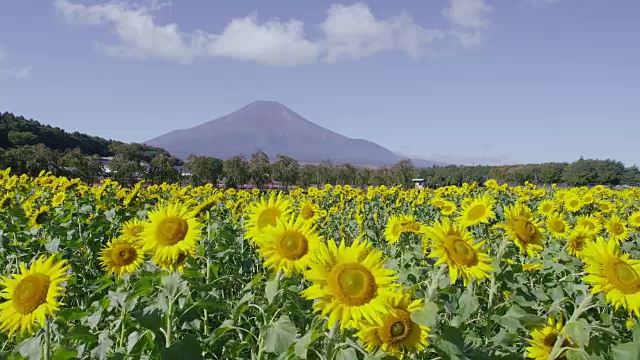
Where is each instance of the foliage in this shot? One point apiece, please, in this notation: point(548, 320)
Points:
point(259, 169)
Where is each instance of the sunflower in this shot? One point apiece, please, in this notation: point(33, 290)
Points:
point(31, 295)
point(634, 219)
point(266, 213)
point(577, 239)
point(453, 245)
point(547, 207)
point(479, 210)
point(133, 229)
point(614, 274)
point(542, 340)
point(58, 199)
point(350, 284)
point(557, 226)
point(6, 200)
point(605, 206)
point(311, 211)
point(448, 208)
point(523, 229)
point(573, 203)
point(617, 229)
point(397, 333)
point(168, 264)
point(171, 230)
point(398, 224)
point(590, 222)
point(290, 245)
point(39, 217)
point(121, 256)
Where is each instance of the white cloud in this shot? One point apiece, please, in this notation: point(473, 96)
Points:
point(349, 32)
point(470, 14)
point(12, 71)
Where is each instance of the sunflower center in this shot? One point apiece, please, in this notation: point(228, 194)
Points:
point(557, 226)
point(578, 242)
point(396, 328)
point(476, 212)
point(124, 254)
point(547, 207)
point(617, 228)
point(30, 293)
point(626, 278)
point(460, 251)
point(525, 230)
point(172, 230)
point(397, 229)
point(268, 217)
point(411, 226)
point(574, 203)
point(353, 284)
point(307, 212)
point(41, 218)
point(292, 245)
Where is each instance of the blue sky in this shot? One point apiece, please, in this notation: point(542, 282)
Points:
point(464, 81)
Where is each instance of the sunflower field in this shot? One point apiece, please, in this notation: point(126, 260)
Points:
point(479, 271)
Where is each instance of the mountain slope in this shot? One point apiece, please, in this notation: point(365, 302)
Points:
point(274, 129)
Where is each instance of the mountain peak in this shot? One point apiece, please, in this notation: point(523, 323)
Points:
point(275, 129)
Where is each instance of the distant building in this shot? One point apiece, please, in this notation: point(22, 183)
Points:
point(418, 183)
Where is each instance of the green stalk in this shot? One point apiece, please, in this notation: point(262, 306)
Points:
point(46, 351)
point(329, 348)
point(557, 347)
point(434, 283)
point(492, 286)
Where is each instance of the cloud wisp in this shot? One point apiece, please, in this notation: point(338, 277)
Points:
point(348, 32)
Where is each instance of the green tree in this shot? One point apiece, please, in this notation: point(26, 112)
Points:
point(203, 169)
point(259, 169)
point(31, 160)
point(236, 170)
point(308, 175)
point(161, 170)
point(21, 138)
point(85, 167)
point(403, 173)
point(286, 170)
point(346, 174)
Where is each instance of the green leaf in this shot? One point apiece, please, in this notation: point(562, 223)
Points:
point(271, 289)
point(186, 348)
point(427, 316)
point(132, 340)
point(170, 284)
point(64, 354)
point(510, 323)
point(31, 348)
point(302, 345)
point(626, 351)
point(575, 354)
point(578, 332)
point(280, 335)
point(346, 354)
point(467, 304)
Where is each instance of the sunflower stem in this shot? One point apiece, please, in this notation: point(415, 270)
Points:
point(168, 323)
point(434, 283)
point(330, 341)
point(493, 286)
point(557, 347)
point(46, 351)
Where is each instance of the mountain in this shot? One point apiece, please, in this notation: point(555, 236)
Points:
point(274, 129)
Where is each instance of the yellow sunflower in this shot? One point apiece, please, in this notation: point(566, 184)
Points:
point(542, 341)
point(479, 210)
point(350, 283)
point(398, 224)
point(617, 229)
point(397, 334)
point(58, 199)
point(573, 203)
point(31, 295)
point(178, 264)
point(634, 219)
point(605, 206)
point(523, 229)
point(590, 222)
point(290, 245)
point(311, 211)
point(448, 208)
point(39, 217)
point(614, 274)
point(133, 229)
point(453, 245)
point(122, 256)
point(266, 213)
point(557, 226)
point(577, 239)
point(171, 230)
point(547, 207)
